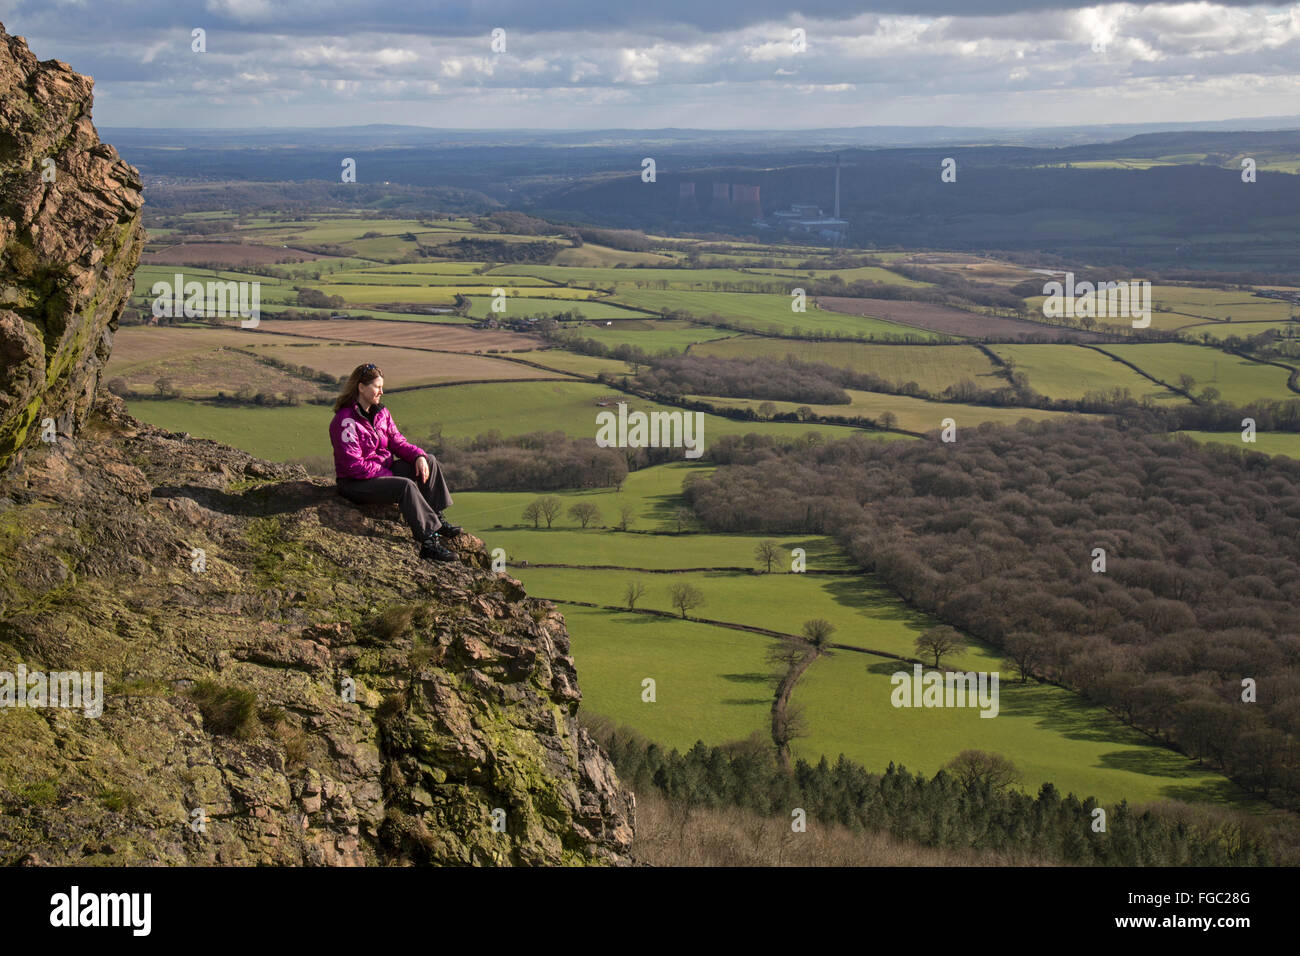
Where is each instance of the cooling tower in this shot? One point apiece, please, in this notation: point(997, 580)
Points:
point(745, 202)
point(721, 204)
point(687, 204)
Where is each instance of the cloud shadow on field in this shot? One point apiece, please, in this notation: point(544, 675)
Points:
point(663, 507)
point(888, 668)
point(824, 553)
point(857, 593)
point(752, 678)
point(1063, 714)
point(1221, 790)
point(1152, 761)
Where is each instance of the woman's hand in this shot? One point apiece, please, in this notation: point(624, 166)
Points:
point(422, 469)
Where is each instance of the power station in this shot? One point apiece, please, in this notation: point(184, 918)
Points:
point(730, 201)
point(808, 218)
point(738, 202)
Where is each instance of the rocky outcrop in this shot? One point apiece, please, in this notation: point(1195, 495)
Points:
point(70, 238)
point(284, 681)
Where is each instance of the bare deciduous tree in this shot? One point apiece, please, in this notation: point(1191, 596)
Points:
point(551, 507)
point(682, 519)
point(975, 768)
point(1024, 652)
point(685, 597)
point(584, 512)
point(939, 642)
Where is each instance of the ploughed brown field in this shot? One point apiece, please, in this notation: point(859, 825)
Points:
point(404, 367)
point(136, 344)
point(420, 335)
point(942, 318)
point(227, 253)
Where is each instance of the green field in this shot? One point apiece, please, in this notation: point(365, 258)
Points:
point(1268, 443)
point(770, 313)
point(431, 279)
point(713, 260)
point(1198, 304)
point(652, 335)
point(859, 274)
point(654, 493)
point(364, 294)
point(865, 614)
point(518, 306)
point(913, 414)
point(270, 290)
point(1177, 307)
point(442, 268)
point(1238, 380)
point(933, 367)
point(1049, 733)
point(591, 255)
point(514, 408)
point(336, 228)
point(519, 407)
point(712, 681)
point(649, 543)
point(1069, 371)
point(661, 279)
point(318, 267)
point(708, 683)
point(1222, 330)
point(573, 362)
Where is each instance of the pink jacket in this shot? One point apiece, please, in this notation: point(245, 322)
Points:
point(362, 450)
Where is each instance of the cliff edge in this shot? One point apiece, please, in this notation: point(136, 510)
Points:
point(264, 672)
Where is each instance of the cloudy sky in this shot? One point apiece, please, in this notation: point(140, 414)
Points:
point(719, 64)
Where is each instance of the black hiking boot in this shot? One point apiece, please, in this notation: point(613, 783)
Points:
point(447, 530)
point(432, 550)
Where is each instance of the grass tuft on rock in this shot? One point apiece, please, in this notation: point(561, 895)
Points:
point(231, 711)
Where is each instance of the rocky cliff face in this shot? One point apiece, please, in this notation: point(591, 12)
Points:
point(283, 681)
point(70, 238)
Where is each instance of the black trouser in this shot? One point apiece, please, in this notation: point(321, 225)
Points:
point(419, 500)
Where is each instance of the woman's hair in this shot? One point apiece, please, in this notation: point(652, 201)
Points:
point(351, 388)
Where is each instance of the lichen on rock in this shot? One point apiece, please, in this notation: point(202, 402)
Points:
point(315, 694)
point(285, 682)
point(70, 239)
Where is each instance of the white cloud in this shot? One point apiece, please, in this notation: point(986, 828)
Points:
point(967, 68)
point(636, 67)
point(391, 57)
point(459, 66)
point(243, 11)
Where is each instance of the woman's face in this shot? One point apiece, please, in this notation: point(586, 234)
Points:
point(370, 392)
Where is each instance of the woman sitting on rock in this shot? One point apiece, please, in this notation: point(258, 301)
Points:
point(374, 463)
